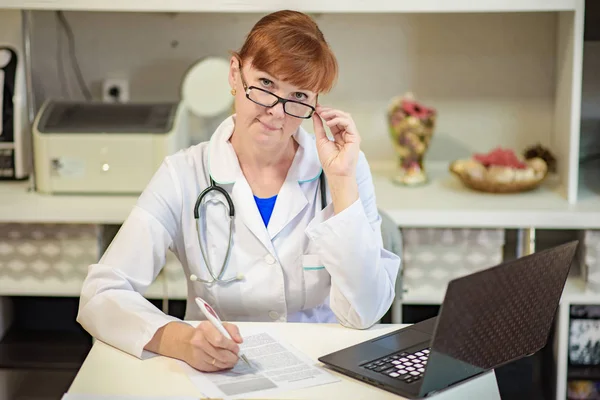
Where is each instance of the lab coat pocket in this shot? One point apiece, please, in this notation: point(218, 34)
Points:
point(317, 281)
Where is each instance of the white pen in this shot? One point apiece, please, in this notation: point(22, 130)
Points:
point(212, 316)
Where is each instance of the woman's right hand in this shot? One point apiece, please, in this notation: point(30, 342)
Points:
point(210, 351)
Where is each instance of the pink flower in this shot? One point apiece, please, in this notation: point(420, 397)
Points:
point(417, 110)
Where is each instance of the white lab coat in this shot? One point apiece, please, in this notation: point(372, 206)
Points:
point(307, 265)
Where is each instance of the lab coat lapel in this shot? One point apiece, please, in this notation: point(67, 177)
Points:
point(223, 164)
point(290, 202)
point(292, 199)
point(247, 210)
point(225, 169)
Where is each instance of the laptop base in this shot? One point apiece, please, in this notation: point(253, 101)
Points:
point(483, 386)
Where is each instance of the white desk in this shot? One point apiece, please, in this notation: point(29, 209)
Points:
point(108, 371)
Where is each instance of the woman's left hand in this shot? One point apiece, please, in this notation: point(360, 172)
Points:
point(338, 157)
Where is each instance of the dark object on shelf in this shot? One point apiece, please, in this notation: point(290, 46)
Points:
point(584, 342)
point(588, 311)
point(583, 373)
point(591, 27)
point(583, 390)
point(584, 335)
point(540, 151)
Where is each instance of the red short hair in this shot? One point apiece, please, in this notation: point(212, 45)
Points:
point(290, 46)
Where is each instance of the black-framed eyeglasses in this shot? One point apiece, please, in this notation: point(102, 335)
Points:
point(265, 98)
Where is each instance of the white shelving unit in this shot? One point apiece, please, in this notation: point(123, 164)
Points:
point(564, 201)
point(332, 6)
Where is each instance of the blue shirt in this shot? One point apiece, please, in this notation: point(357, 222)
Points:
point(265, 207)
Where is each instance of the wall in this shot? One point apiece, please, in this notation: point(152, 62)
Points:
point(490, 76)
point(590, 100)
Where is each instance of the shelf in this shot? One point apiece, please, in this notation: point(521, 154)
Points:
point(575, 292)
point(332, 6)
point(424, 295)
point(445, 202)
point(21, 205)
point(30, 286)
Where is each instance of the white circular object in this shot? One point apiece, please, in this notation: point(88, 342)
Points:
point(5, 57)
point(205, 88)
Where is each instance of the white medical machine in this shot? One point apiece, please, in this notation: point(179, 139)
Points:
point(115, 148)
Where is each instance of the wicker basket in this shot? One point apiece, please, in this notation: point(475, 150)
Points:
point(484, 184)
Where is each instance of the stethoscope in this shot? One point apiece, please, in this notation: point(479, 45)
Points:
point(213, 186)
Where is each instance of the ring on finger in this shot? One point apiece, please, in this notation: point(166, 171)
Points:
point(214, 361)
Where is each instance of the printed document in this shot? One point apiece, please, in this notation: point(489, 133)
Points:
point(276, 366)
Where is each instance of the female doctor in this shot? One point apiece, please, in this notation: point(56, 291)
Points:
point(291, 252)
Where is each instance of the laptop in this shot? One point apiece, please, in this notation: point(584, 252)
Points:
point(487, 319)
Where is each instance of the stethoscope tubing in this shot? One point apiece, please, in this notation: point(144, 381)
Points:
point(214, 186)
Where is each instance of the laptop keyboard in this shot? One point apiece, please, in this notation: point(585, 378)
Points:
point(407, 367)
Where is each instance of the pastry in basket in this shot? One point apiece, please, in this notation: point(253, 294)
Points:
point(500, 171)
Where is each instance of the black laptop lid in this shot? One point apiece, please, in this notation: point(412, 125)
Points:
point(496, 316)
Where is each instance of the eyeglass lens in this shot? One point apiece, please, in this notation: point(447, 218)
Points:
point(268, 100)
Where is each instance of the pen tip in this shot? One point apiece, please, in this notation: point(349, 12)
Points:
point(246, 360)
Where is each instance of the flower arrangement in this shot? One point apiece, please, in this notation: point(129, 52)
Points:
point(411, 126)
